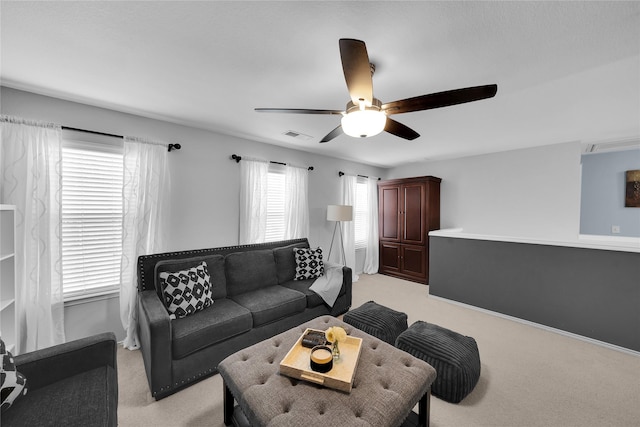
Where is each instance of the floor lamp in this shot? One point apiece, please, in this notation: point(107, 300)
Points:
point(339, 213)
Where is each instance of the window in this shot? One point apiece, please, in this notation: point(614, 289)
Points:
point(275, 205)
point(91, 218)
point(273, 202)
point(361, 214)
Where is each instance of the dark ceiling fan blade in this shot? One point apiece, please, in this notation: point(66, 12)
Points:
point(398, 129)
point(336, 132)
point(357, 71)
point(297, 111)
point(440, 99)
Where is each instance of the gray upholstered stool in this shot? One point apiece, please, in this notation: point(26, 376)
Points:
point(455, 358)
point(377, 320)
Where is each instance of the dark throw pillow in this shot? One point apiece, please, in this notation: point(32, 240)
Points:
point(309, 263)
point(187, 291)
point(13, 384)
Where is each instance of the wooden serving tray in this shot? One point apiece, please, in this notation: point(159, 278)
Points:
point(296, 364)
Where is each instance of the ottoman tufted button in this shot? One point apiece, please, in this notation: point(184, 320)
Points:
point(322, 408)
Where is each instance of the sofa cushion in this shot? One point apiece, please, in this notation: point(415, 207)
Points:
point(286, 261)
point(215, 266)
point(222, 320)
point(309, 263)
point(313, 299)
point(79, 400)
point(187, 291)
point(272, 303)
point(251, 270)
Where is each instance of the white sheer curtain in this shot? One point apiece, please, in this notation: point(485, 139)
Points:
point(296, 204)
point(348, 227)
point(30, 158)
point(253, 201)
point(145, 185)
point(371, 257)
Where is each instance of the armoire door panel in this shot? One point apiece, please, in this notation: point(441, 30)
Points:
point(414, 261)
point(413, 213)
point(389, 215)
point(389, 257)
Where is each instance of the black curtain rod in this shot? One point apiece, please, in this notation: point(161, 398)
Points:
point(238, 158)
point(340, 174)
point(95, 132)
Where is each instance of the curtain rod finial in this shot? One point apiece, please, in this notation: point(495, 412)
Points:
point(174, 147)
point(236, 158)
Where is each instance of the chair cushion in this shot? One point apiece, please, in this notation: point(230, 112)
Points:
point(187, 291)
point(286, 262)
point(251, 270)
point(215, 266)
point(272, 303)
point(79, 400)
point(222, 320)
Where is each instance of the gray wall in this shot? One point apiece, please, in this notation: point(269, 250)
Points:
point(533, 193)
point(603, 194)
point(590, 292)
point(204, 193)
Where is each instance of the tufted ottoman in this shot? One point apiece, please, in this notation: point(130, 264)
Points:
point(387, 385)
point(377, 320)
point(455, 357)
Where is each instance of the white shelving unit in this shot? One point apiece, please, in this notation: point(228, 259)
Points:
point(8, 276)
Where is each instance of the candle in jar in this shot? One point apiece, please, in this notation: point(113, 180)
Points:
point(321, 355)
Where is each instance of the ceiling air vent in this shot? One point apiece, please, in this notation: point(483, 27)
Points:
point(619, 145)
point(297, 135)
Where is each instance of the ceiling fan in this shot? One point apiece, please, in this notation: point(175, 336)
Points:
point(365, 115)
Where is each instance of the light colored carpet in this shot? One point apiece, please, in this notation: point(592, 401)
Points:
point(530, 377)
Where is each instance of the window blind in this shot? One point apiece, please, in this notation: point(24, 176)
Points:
point(275, 206)
point(92, 182)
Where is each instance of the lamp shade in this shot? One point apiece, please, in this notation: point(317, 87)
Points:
point(339, 213)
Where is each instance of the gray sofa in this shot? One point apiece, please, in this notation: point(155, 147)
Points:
point(71, 384)
point(255, 297)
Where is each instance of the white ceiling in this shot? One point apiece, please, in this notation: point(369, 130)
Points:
point(566, 71)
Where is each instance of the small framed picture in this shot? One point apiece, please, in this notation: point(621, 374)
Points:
point(632, 194)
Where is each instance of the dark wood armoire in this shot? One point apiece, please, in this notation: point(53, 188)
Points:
point(408, 209)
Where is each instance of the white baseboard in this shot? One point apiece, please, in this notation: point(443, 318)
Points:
point(540, 326)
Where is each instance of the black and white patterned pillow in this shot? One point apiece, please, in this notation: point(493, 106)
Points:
point(187, 291)
point(309, 263)
point(12, 383)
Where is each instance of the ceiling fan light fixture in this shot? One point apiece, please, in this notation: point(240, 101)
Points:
point(363, 122)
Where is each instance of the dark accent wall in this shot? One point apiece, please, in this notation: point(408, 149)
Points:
point(590, 292)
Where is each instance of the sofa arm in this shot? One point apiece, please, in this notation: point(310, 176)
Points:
point(154, 331)
point(347, 282)
point(50, 365)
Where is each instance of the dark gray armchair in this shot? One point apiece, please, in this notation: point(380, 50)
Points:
point(71, 384)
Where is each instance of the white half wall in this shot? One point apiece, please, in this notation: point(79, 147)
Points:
point(531, 193)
